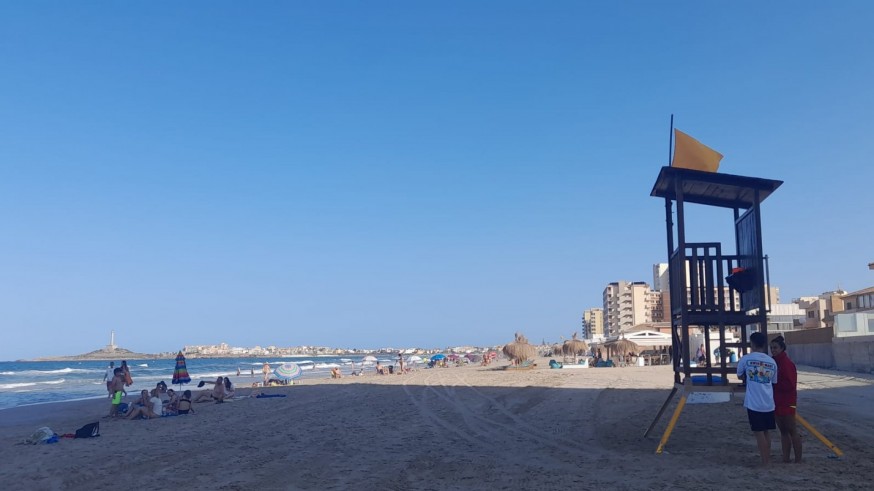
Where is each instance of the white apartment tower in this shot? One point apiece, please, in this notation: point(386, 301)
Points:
point(593, 323)
point(660, 280)
point(627, 304)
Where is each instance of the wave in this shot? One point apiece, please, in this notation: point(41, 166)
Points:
point(30, 384)
point(143, 365)
point(53, 372)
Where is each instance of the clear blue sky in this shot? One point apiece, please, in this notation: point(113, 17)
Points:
point(369, 174)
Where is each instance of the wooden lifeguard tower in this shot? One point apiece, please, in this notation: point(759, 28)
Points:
point(712, 290)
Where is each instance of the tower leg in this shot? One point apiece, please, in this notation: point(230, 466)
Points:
point(661, 412)
point(671, 424)
point(831, 446)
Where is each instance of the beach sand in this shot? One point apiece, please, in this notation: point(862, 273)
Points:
point(445, 429)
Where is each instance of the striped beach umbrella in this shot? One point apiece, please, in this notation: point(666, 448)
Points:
point(180, 373)
point(288, 371)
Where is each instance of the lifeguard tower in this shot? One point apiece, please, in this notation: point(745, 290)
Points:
point(711, 290)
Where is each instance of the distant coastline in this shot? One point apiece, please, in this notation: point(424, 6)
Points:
point(123, 354)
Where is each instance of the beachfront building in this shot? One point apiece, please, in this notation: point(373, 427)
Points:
point(627, 304)
point(857, 318)
point(784, 317)
point(820, 311)
point(660, 278)
point(593, 323)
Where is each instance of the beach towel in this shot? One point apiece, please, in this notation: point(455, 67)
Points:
point(266, 396)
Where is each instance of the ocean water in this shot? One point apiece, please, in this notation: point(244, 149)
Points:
point(25, 383)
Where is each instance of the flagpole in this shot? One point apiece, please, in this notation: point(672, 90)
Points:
point(671, 140)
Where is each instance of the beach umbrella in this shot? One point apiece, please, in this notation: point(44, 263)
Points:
point(288, 371)
point(520, 349)
point(574, 347)
point(369, 359)
point(474, 357)
point(180, 373)
point(414, 359)
point(438, 357)
point(453, 357)
point(623, 346)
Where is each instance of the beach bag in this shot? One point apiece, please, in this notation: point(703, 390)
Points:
point(122, 408)
point(41, 435)
point(89, 431)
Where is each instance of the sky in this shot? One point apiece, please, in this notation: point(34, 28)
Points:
point(373, 174)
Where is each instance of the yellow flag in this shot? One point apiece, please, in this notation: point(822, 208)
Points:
point(689, 153)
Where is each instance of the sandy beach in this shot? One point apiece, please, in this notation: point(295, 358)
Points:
point(454, 428)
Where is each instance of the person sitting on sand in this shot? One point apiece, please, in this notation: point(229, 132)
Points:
point(184, 406)
point(229, 388)
point(154, 409)
point(217, 393)
point(172, 404)
point(335, 372)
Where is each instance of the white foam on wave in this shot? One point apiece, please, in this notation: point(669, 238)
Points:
point(16, 386)
point(30, 384)
point(143, 365)
point(53, 372)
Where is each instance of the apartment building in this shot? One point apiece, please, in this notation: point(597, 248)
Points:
point(593, 323)
point(820, 311)
point(627, 304)
point(857, 319)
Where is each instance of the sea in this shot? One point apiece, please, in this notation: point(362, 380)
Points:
point(24, 383)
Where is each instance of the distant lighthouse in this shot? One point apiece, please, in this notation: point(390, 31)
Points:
point(111, 345)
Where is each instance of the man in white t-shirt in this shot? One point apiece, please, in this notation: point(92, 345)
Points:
point(157, 404)
point(759, 371)
point(110, 374)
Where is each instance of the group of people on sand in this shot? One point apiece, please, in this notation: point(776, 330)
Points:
point(771, 395)
point(162, 401)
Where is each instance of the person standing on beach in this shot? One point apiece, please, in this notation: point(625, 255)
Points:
point(759, 372)
point(116, 387)
point(785, 400)
point(401, 363)
point(108, 376)
point(128, 381)
point(266, 370)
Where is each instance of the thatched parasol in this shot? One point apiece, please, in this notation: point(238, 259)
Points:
point(557, 349)
point(574, 347)
point(520, 349)
point(624, 346)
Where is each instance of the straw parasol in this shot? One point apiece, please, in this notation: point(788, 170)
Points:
point(574, 347)
point(557, 349)
point(520, 349)
point(623, 346)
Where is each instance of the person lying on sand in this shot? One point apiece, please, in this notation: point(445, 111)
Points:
point(217, 393)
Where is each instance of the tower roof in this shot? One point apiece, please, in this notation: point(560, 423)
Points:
point(710, 188)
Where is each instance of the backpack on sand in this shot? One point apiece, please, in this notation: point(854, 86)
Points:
point(88, 431)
